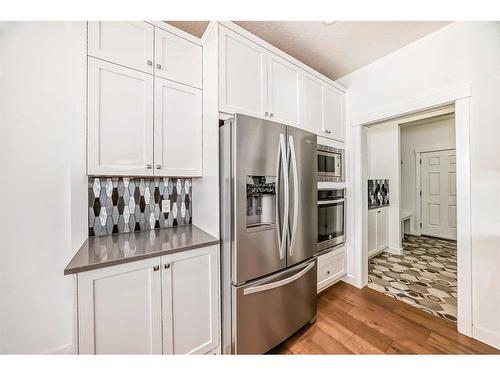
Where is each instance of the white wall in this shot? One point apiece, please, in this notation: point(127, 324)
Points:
point(43, 186)
point(463, 53)
point(382, 143)
point(432, 134)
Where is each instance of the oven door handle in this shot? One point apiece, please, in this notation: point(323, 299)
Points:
point(330, 202)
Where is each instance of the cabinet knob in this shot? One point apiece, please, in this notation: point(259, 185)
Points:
point(271, 115)
point(327, 272)
point(167, 266)
point(158, 66)
point(150, 63)
point(156, 268)
point(149, 166)
point(266, 114)
point(327, 131)
point(158, 166)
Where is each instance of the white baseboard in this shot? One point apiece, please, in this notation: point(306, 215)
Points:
point(486, 336)
point(394, 250)
point(63, 349)
point(349, 279)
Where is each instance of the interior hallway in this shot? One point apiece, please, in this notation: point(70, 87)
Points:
point(424, 276)
point(364, 321)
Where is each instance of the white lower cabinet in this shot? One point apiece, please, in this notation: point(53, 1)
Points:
point(378, 230)
point(167, 304)
point(331, 267)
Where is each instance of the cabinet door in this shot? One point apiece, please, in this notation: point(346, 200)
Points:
point(178, 129)
point(372, 232)
point(177, 59)
point(120, 120)
point(283, 94)
point(312, 103)
point(126, 43)
point(191, 301)
point(333, 113)
point(243, 75)
point(382, 229)
point(119, 309)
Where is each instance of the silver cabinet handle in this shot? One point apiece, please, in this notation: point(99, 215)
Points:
point(327, 131)
point(266, 114)
point(271, 115)
point(156, 268)
point(149, 166)
point(158, 166)
point(158, 66)
point(150, 63)
point(277, 284)
point(166, 266)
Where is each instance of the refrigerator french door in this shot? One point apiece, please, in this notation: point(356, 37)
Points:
point(268, 232)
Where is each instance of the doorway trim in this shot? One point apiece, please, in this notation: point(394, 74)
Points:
point(459, 97)
point(418, 183)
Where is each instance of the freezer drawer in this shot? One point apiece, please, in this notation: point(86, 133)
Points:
point(271, 309)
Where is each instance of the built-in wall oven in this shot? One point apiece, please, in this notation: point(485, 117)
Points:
point(331, 218)
point(330, 164)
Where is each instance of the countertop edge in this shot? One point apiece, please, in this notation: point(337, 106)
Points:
point(114, 262)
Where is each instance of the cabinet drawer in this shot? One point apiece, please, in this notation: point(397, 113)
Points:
point(331, 271)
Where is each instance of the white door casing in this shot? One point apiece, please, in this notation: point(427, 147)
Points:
point(439, 194)
point(120, 120)
point(122, 42)
point(177, 129)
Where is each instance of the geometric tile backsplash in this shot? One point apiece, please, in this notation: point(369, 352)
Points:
point(123, 204)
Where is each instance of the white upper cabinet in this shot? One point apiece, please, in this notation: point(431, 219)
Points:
point(120, 120)
point(125, 43)
point(190, 287)
point(333, 109)
point(177, 129)
point(312, 104)
point(283, 85)
point(243, 75)
point(177, 59)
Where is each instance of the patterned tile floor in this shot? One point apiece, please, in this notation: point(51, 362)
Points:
point(425, 275)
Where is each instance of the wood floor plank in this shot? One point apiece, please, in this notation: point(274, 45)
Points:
point(364, 321)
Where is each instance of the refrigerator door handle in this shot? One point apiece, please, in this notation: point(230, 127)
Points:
point(282, 159)
point(277, 284)
point(293, 159)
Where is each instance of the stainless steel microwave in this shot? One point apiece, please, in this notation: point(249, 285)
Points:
point(330, 164)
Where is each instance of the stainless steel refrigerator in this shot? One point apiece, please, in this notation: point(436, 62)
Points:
point(268, 232)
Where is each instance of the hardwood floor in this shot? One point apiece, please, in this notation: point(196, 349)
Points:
point(364, 321)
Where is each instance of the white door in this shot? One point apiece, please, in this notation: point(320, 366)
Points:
point(242, 75)
point(283, 95)
point(439, 194)
point(126, 43)
point(382, 229)
point(312, 103)
point(334, 125)
point(191, 301)
point(120, 120)
point(372, 232)
point(177, 129)
point(119, 309)
point(177, 59)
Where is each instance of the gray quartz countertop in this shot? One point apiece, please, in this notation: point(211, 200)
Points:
point(104, 251)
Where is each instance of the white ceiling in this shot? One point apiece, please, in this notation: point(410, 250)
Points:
point(336, 49)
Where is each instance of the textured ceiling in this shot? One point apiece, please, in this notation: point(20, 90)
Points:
point(336, 49)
